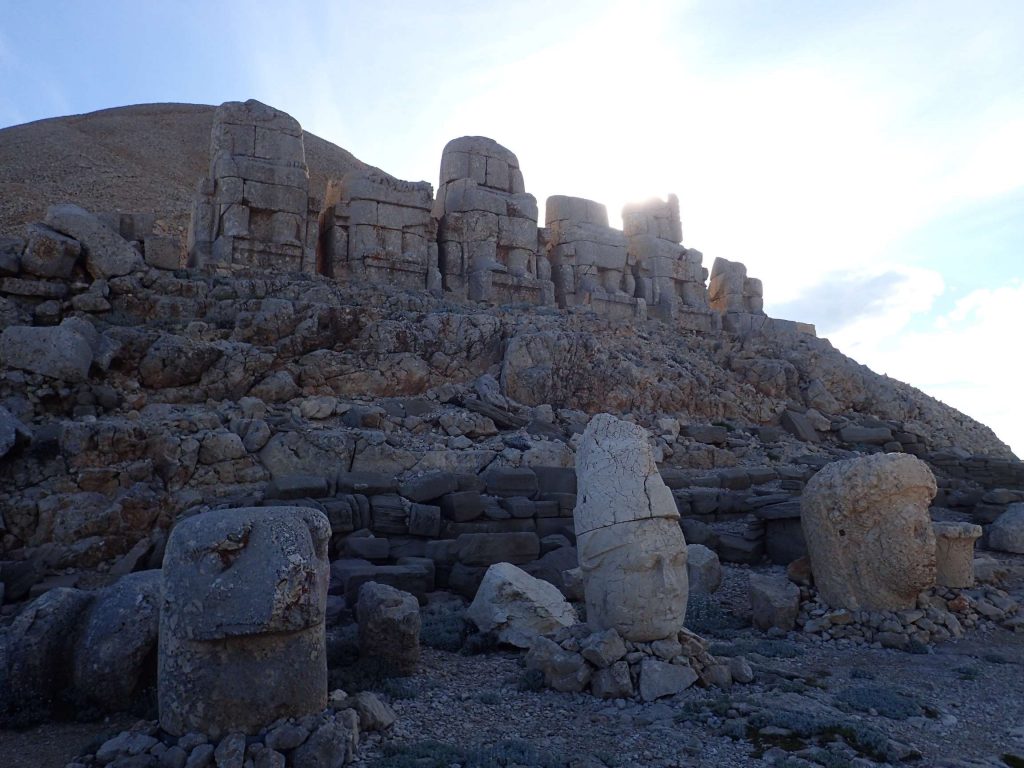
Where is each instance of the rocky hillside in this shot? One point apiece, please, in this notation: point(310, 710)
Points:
point(146, 157)
point(134, 391)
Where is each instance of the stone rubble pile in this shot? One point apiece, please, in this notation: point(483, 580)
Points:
point(580, 658)
point(326, 738)
point(941, 614)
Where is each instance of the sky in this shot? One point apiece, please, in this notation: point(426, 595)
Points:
point(865, 160)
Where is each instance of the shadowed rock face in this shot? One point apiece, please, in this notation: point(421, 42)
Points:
point(631, 548)
point(242, 619)
point(869, 536)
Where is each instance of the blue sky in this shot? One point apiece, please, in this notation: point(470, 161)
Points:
point(864, 159)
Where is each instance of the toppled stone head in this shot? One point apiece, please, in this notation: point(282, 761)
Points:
point(631, 548)
point(242, 620)
point(868, 532)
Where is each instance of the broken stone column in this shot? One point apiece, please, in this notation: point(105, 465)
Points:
point(954, 553)
point(668, 276)
point(868, 532)
point(488, 239)
point(242, 620)
point(590, 263)
point(381, 230)
point(252, 210)
point(631, 548)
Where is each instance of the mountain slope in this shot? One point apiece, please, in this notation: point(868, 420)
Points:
point(146, 157)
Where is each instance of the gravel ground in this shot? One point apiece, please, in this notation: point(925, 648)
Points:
point(965, 700)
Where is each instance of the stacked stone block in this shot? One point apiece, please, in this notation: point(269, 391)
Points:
point(488, 226)
point(252, 210)
point(379, 229)
point(590, 260)
point(669, 277)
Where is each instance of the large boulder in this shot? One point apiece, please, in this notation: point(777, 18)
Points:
point(49, 253)
point(703, 569)
point(107, 254)
point(389, 627)
point(774, 601)
point(39, 646)
point(174, 361)
point(58, 352)
point(518, 607)
point(631, 548)
point(117, 638)
point(242, 619)
point(1007, 533)
point(869, 535)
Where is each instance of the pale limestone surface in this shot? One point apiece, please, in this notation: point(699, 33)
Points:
point(379, 229)
point(631, 548)
point(668, 277)
point(868, 532)
point(1007, 532)
point(253, 209)
point(488, 237)
point(242, 619)
point(518, 607)
point(590, 263)
point(730, 290)
point(954, 553)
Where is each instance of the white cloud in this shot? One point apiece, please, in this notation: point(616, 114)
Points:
point(968, 358)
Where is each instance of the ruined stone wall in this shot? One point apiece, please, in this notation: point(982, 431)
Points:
point(379, 230)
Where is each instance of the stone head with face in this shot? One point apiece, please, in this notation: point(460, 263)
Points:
point(869, 535)
point(635, 578)
point(631, 548)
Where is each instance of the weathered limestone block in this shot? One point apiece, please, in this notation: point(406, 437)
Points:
point(774, 601)
point(631, 548)
point(379, 229)
point(1007, 532)
point(590, 262)
point(868, 533)
point(389, 627)
point(954, 553)
point(242, 619)
point(38, 651)
point(563, 670)
point(731, 291)
point(118, 634)
point(488, 238)
point(703, 569)
point(49, 253)
point(518, 607)
point(669, 277)
point(107, 254)
point(252, 210)
point(58, 352)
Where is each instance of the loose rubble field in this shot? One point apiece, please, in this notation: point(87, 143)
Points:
point(835, 703)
